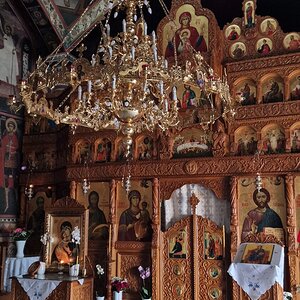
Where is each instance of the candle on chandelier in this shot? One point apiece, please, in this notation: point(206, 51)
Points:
point(124, 25)
point(174, 93)
point(145, 28)
point(132, 52)
point(153, 37)
point(79, 92)
point(89, 86)
point(114, 79)
point(108, 30)
point(155, 54)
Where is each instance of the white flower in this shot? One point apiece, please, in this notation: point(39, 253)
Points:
point(45, 238)
point(100, 270)
point(76, 235)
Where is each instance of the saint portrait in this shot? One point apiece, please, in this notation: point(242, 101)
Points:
point(237, 50)
point(249, 11)
point(232, 32)
point(264, 46)
point(273, 90)
point(295, 88)
point(292, 41)
point(177, 244)
point(268, 26)
point(246, 90)
point(186, 34)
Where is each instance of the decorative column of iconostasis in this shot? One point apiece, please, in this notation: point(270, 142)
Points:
point(297, 263)
point(155, 239)
point(291, 228)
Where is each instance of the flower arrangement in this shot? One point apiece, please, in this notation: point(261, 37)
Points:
point(100, 271)
point(20, 234)
point(119, 284)
point(287, 296)
point(76, 239)
point(45, 238)
point(146, 288)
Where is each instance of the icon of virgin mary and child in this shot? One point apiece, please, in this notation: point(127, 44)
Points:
point(186, 38)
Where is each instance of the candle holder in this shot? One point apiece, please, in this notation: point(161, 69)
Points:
point(60, 268)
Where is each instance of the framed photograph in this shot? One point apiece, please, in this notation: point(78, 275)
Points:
point(60, 221)
point(258, 254)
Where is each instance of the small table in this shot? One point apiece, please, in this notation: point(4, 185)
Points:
point(257, 278)
point(52, 287)
point(16, 267)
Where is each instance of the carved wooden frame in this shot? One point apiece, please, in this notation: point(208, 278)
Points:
point(66, 209)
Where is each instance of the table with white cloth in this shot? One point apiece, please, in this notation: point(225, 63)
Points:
point(52, 286)
point(16, 267)
point(256, 278)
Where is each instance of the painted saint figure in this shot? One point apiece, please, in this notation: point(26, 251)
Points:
point(262, 216)
point(249, 15)
point(96, 218)
point(185, 37)
point(264, 48)
point(65, 251)
point(131, 228)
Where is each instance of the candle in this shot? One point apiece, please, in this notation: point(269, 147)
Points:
point(108, 30)
point(132, 52)
point(79, 92)
point(153, 37)
point(114, 82)
point(161, 87)
point(145, 28)
point(124, 25)
point(174, 93)
point(155, 54)
point(89, 86)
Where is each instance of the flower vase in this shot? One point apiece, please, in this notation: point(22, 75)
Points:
point(74, 270)
point(99, 297)
point(20, 248)
point(146, 298)
point(117, 295)
point(42, 268)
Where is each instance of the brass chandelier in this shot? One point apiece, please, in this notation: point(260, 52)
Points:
point(126, 86)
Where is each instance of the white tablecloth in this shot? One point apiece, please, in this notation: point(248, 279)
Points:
point(40, 289)
point(16, 267)
point(256, 279)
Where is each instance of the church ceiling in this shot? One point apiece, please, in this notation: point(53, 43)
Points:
point(59, 21)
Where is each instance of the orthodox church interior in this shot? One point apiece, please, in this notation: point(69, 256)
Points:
point(149, 149)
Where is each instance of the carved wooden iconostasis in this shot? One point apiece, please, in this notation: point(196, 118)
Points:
point(218, 164)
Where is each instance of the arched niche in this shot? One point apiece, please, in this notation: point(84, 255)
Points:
point(246, 91)
point(273, 139)
point(245, 139)
point(295, 137)
point(272, 88)
point(82, 151)
point(102, 148)
point(210, 207)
